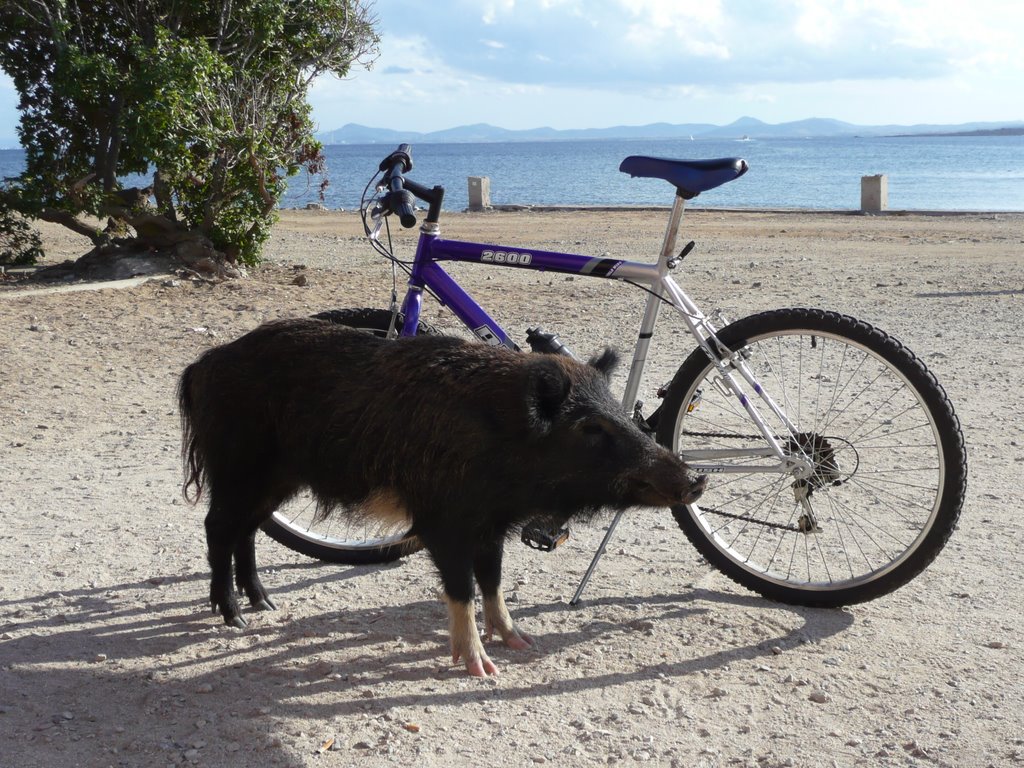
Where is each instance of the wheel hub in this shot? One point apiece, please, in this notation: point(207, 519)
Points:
point(817, 450)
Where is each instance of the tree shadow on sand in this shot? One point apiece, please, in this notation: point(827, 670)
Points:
point(149, 650)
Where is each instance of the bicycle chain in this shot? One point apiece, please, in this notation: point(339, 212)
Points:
point(765, 523)
point(724, 435)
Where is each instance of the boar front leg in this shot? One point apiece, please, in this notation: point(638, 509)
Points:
point(454, 562)
point(487, 567)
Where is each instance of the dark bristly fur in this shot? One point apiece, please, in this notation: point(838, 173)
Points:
point(467, 440)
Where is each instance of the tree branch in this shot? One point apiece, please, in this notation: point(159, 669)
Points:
point(69, 220)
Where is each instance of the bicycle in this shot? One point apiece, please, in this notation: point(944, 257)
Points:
point(837, 464)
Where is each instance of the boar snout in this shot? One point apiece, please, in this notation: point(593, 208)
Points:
point(667, 483)
point(696, 489)
point(653, 495)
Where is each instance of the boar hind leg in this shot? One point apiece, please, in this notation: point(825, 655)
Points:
point(246, 578)
point(230, 535)
point(221, 541)
point(465, 639)
point(487, 567)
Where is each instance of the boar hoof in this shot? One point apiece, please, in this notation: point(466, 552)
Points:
point(236, 621)
point(472, 654)
point(512, 638)
point(519, 641)
point(481, 666)
point(264, 604)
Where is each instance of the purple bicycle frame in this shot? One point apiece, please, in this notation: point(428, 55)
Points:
point(427, 273)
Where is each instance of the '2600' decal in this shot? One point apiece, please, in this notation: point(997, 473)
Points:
point(506, 257)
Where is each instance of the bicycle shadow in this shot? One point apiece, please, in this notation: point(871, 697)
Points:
point(968, 294)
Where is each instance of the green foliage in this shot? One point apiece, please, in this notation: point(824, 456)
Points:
point(19, 243)
point(209, 97)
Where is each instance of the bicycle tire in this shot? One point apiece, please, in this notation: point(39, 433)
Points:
point(890, 466)
point(336, 539)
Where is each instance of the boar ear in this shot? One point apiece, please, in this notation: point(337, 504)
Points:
point(605, 362)
point(548, 388)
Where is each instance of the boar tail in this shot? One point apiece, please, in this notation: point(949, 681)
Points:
point(192, 459)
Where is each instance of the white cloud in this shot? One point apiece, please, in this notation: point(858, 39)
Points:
point(620, 44)
point(8, 111)
point(694, 23)
point(816, 24)
point(579, 63)
point(659, 27)
point(492, 10)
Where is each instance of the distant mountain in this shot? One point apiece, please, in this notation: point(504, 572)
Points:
point(361, 134)
point(1005, 131)
point(745, 127)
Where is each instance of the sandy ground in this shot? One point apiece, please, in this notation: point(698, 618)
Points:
point(109, 654)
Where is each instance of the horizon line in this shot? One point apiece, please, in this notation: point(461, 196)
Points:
point(741, 119)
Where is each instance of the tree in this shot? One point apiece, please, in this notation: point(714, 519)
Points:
point(203, 101)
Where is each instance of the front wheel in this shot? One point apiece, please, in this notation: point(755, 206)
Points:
point(888, 468)
point(337, 538)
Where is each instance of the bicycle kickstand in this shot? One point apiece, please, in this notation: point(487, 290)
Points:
point(597, 556)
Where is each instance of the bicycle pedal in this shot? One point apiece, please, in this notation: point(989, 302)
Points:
point(539, 537)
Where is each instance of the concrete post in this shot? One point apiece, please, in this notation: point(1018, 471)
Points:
point(479, 193)
point(874, 193)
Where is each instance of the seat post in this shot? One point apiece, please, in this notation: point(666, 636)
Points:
point(675, 218)
point(650, 318)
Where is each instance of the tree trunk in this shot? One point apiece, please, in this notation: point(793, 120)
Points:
point(164, 198)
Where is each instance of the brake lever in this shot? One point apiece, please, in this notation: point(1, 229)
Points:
point(377, 215)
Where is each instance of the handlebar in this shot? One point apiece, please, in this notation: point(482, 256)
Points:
point(402, 191)
point(400, 200)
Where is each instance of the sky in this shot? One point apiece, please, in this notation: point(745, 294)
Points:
point(599, 63)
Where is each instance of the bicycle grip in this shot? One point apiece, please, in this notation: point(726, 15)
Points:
point(398, 162)
point(401, 202)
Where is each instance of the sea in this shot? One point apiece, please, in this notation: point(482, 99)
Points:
point(924, 173)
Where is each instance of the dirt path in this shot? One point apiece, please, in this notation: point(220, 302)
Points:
point(109, 655)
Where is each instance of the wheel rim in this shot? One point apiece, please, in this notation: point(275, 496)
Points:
point(338, 531)
point(341, 531)
point(861, 422)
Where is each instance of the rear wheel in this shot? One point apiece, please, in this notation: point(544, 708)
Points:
point(888, 465)
point(337, 538)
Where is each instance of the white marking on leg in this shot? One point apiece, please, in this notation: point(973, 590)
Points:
point(465, 639)
point(497, 618)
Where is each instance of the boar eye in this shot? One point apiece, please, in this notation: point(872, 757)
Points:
point(593, 429)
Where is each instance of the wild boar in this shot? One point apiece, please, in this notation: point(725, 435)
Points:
point(463, 440)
